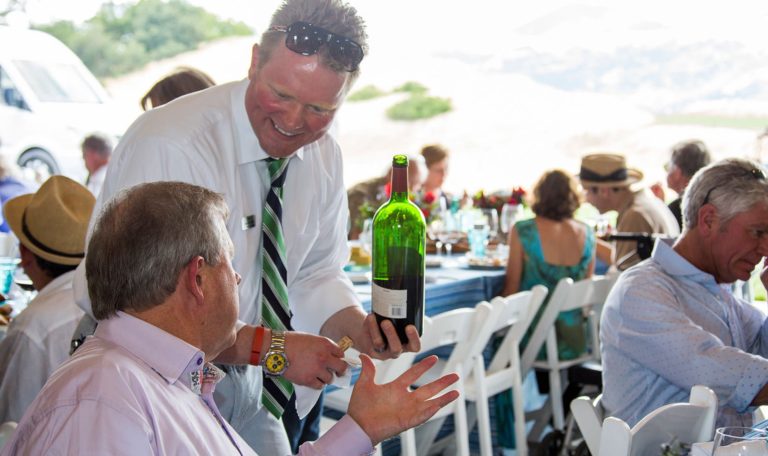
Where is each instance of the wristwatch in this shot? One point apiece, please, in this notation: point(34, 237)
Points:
point(275, 361)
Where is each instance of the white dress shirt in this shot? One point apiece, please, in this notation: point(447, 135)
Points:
point(37, 342)
point(206, 139)
point(96, 180)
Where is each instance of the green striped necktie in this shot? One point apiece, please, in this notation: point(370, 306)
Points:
point(275, 312)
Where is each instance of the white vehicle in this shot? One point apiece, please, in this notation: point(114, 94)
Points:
point(49, 101)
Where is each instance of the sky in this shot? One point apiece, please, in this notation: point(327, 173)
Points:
point(549, 24)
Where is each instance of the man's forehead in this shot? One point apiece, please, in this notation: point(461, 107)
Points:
point(756, 216)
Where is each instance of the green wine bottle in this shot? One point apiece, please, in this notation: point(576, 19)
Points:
point(399, 245)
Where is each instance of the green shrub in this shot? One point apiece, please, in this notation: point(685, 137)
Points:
point(412, 87)
point(419, 107)
point(120, 39)
point(366, 93)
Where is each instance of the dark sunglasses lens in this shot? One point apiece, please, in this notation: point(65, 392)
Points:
point(303, 38)
point(346, 52)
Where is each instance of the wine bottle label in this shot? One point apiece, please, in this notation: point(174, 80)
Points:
point(389, 303)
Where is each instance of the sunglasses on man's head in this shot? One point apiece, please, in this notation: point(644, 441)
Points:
point(306, 39)
point(753, 173)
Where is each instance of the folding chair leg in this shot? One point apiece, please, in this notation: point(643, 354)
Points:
point(556, 394)
point(408, 443)
point(521, 442)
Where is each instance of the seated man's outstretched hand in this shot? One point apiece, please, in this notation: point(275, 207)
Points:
point(383, 411)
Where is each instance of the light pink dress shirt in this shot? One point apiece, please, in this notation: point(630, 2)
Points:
point(135, 389)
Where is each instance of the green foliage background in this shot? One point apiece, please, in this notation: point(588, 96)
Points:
point(120, 38)
point(418, 105)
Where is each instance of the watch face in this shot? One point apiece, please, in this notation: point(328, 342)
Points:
point(275, 363)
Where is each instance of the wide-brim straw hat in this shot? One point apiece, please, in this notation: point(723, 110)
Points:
point(607, 170)
point(53, 222)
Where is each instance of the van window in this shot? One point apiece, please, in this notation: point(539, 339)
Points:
point(10, 94)
point(57, 82)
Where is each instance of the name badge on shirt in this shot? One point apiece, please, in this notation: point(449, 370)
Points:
point(248, 222)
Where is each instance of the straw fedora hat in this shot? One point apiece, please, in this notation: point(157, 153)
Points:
point(53, 222)
point(607, 170)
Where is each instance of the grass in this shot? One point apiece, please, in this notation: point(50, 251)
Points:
point(419, 107)
point(368, 92)
point(745, 122)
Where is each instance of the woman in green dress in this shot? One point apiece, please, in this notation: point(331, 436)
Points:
point(550, 247)
point(543, 250)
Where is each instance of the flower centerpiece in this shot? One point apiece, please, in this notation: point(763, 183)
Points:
point(429, 204)
point(497, 200)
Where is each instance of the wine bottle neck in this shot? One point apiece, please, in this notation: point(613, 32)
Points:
point(399, 183)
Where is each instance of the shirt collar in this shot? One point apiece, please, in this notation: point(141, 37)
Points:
point(177, 359)
point(249, 148)
point(675, 265)
point(61, 282)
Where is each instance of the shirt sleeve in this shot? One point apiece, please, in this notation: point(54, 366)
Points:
point(24, 372)
point(89, 427)
point(345, 437)
point(755, 326)
point(322, 288)
point(657, 334)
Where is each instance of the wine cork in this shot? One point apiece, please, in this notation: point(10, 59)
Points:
point(345, 343)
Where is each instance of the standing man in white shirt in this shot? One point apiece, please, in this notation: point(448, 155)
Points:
point(224, 138)
point(51, 226)
point(97, 150)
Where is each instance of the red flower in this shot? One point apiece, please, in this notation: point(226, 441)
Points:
point(429, 197)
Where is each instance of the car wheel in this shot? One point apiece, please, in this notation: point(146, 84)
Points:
point(38, 165)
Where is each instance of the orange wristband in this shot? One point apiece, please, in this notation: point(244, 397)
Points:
point(258, 338)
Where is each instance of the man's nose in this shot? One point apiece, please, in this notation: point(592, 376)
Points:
point(292, 119)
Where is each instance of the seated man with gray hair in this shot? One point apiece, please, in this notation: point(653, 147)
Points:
point(671, 322)
point(162, 286)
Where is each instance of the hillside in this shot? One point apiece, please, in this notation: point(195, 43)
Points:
point(520, 113)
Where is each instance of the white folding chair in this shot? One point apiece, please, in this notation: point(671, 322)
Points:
point(686, 422)
point(512, 314)
point(460, 328)
point(445, 329)
point(589, 415)
point(588, 295)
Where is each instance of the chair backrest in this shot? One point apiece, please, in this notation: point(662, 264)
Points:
point(686, 422)
point(589, 415)
point(514, 312)
point(588, 294)
point(547, 320)
point(463, 327)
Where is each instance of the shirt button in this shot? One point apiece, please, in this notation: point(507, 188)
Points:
point(199, 361)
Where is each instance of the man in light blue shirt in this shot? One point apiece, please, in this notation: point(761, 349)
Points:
point(671, 321)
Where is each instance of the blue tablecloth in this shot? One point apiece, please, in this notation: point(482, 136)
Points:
point(451, 287)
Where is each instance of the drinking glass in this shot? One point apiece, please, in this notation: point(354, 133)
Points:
point(509, 213)
point(740, 441)
point(366, 236)
point(491, 219)
point(448, 230)
point(433, 227)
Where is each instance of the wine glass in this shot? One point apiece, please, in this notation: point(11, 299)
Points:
point(740, 441)
point(366, 236)
point(508, 216)
point(449, 230)
point(491, 219)
point(433, 227)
